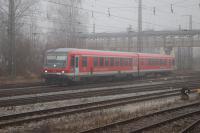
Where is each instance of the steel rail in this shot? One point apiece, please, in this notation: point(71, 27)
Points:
point(33, 84)
point(57, 97)
point(18, 119)
point(19, 85)
point(37, 90)
point(54, 88)
point(132, 120)
point(165, 121)
point(190, 127)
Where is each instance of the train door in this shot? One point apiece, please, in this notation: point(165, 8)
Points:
point(76, 68)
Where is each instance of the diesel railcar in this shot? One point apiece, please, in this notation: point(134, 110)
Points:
point(65, 65)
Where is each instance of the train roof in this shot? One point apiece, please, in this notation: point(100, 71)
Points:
point(87, 51)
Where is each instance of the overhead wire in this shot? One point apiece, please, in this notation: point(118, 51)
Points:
point(55, 20)
point(103, 13)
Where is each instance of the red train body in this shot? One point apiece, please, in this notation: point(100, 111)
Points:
point(67, 64)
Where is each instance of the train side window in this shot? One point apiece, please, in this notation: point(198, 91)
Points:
point(154, 62)
point(173, 62)
point(170, 62)
point(101, 61)
point(125, 62)
point(106, 61)
point(157, 62)
point(130, 62)
point(161, 62)
point(111, 61)
point(116, 61)
point(77, 62)
point(84, 61)
point(164, 62)
point(95, 61)
point(141, 61)
point(149, 61)
point(135, 61)
point(145, 61)
point(121, 61)
point(72, 61)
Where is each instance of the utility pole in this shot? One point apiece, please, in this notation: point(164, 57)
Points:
point(11, 36)
point(94, 28)
point(190, 17)
point(190, 49)
point(139, 39)
point(94, 34)
point(191, 44)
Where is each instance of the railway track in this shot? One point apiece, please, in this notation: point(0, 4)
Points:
point(21, 85)
point(191, 128)
point(150, 121)
point(54, 88)
point(18, 119)
point(106, 91)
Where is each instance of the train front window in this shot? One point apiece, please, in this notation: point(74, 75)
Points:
point(56, 60)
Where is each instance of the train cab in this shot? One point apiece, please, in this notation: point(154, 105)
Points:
point(57, 65)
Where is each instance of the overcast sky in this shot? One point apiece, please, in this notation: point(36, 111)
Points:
point(124, 13)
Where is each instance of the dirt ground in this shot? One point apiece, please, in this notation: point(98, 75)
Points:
point(80, 122)
point(20, 80)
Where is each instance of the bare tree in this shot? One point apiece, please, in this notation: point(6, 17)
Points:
point(22, 8)
point(68, 23)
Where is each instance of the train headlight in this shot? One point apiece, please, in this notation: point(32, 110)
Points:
point(45, 71)
point(63, 72)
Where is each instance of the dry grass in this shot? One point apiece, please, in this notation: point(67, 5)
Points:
point(20, 79)
point(174, 127)
point(81, 122)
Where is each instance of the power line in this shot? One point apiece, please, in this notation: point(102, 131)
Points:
point(73, 22)
point(119, 17)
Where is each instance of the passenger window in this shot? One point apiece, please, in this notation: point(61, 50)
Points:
point(72, 61)
point(101, 61)
point(121, 61)
point(117, 61)
point(160, 61)
point(84, 61)
point(106, 61)
point(130, 62)
point(126, 62)
point(95, 61)
point(77, 61)
point(111, 61)
point(141, 61)
point(135, 61)
point(170, 62)
point(149, 61)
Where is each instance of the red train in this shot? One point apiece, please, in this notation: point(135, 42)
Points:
point(66, 64)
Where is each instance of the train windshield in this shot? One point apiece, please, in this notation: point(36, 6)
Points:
point(56, 60)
